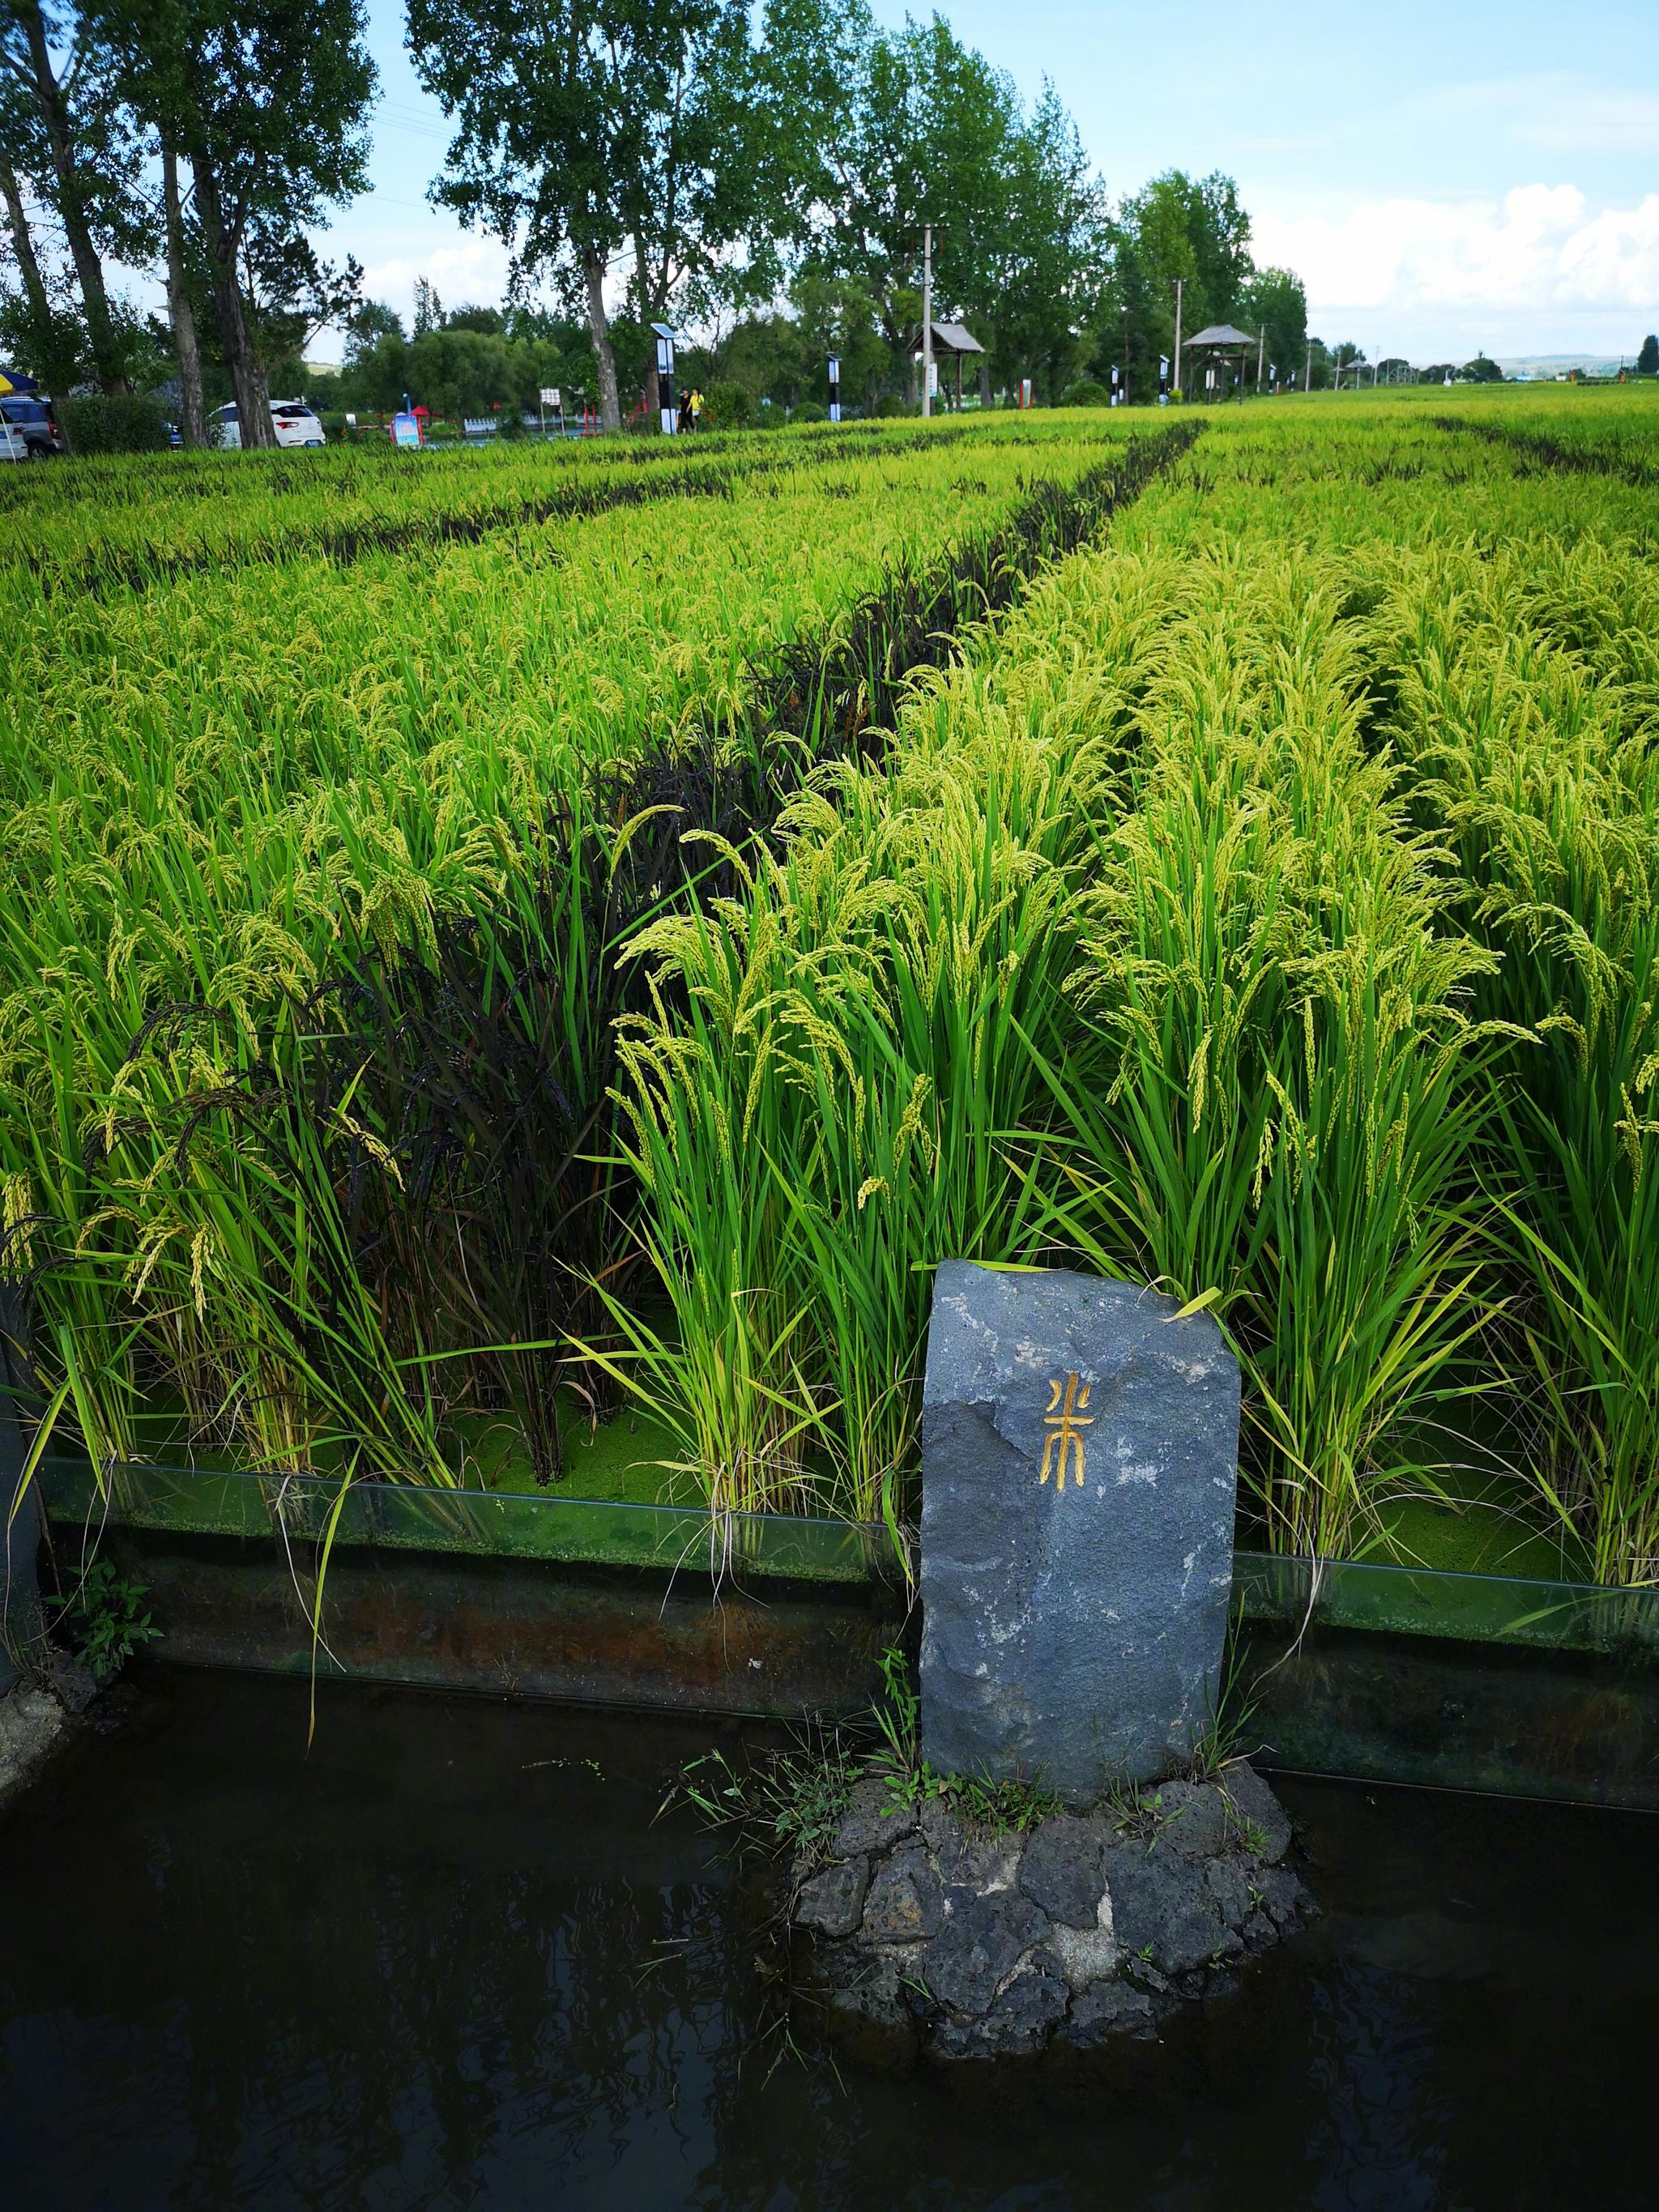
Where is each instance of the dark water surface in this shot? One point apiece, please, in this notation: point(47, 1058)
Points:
point(450, 1959)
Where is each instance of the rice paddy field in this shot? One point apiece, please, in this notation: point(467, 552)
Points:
point(514, 968)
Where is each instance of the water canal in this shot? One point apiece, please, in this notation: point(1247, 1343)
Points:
point(451, 1956)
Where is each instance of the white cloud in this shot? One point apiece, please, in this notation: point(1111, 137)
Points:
point(472, 270)
point(1540, 252)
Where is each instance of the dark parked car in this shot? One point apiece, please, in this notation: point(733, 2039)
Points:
point(32, 420)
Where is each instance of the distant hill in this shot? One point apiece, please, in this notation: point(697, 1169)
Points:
point(1543, 366)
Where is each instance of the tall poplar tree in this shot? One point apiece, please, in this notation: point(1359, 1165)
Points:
point(69, 134)
point(1176, 226)
point(268, 104)
point(595, 136)
point(893, 131)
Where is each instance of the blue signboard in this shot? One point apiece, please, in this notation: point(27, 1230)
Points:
point(405, 430)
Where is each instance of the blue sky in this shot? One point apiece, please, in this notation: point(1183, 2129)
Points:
point(1444, 178)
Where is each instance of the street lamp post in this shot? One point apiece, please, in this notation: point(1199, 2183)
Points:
point(927, 320)
point(1180, 280)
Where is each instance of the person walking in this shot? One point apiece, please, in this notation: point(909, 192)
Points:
point(686, 420)
point(697, 408)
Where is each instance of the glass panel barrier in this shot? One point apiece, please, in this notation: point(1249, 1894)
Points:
point(1455, 1680)
point(1402, 1601)
point(200, 1501)
point(1450, 1681)
point(1399, 1601)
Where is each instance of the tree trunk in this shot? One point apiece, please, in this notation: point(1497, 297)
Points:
point(34, 285)
point(985, 379)
point(71, 208)
point(247, 375)
point(56, 368)
point(653, 394)
point(193, 415)
point(604, 361)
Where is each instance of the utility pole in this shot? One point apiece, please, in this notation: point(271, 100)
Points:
point(1260, 345)
point(1126, 356)
point(1179, 282)
point(1307, 372)
point(927, 320)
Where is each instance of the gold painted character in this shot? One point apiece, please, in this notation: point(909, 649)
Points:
point(1065, 1421)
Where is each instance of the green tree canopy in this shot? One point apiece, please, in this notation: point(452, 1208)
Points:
point(1272, 301)
point(70, 140)
point(893, 131)
point(1178, 227)
point(268, 104)
point(595, 135)
point(473, 362)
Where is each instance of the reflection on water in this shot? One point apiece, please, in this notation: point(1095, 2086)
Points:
point(452, 1958)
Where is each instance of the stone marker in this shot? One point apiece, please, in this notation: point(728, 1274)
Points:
point(1079, 1465)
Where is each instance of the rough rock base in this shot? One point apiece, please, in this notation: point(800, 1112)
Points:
point(31, 1722)
point(932, 1937)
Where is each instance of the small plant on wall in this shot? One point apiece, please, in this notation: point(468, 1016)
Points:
point(108, 1621)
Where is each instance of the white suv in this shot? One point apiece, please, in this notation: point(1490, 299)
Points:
point(294, 423)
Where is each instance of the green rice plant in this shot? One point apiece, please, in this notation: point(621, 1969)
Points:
point(478, 1199)
point(231, 1200)
point(1249, 885)
point(821, 1125)
point(1280, 1102)
point(378, 1153)
point(836, 1083)
point(1553, 802)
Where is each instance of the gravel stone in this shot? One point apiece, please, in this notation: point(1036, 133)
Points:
point(1111, 2009)
point(1191, 1819)
point(1230, 1885)
point(962, 1944)
point(1083, 1955)
point(1284, 1900)
point(1162, 1908)
point(981, 1941)
point(974, 1857)
point(875, 1820)
point(31, 1722)
point(1062, 1868)
point(74, 1684)
point(905, 1899)
point(868, 2006)
point(1259, 1933)
point(1022, 2018)
point(1253, 1805)
point(832, 1902)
